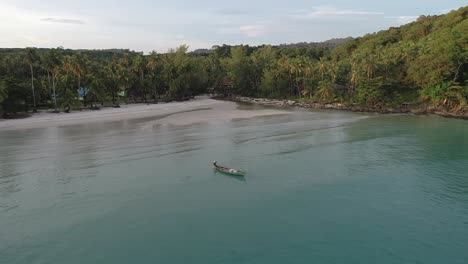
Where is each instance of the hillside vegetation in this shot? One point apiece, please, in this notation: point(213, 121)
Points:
point(421, 63)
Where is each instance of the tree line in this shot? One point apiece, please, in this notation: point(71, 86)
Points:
point(66, 79)
point(424, 62)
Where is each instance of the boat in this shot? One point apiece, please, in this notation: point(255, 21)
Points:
point(229, 171)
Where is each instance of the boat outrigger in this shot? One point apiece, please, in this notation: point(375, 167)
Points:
point(228, 170)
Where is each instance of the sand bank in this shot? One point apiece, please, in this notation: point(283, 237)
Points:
point(180, 113)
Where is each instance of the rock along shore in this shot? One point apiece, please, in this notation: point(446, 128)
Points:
point(404, 109)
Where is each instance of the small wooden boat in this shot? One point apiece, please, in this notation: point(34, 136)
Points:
point(229, 171)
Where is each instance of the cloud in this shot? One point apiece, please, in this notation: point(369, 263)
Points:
point(403, 19)
point(225, 22)
point(252, 31)
point(326, 12)
point(234, 11)
point(63, 20)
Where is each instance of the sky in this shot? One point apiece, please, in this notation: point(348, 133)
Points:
point(144, 25)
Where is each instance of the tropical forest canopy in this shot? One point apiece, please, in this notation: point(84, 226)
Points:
point(424, 62)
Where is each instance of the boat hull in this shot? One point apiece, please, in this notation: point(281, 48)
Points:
point(227, 172)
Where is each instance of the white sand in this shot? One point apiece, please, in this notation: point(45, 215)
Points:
point(179, 114)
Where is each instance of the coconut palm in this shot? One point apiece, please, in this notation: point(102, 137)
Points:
point(325, 92)
point(152, 65)
point(30, 58)
point(322, 67)
point(52, 64)
point(76, 65)
point(123, 73)
point(139, 66)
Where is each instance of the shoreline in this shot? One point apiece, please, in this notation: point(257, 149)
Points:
point(350, 108)
point(207, 109)
point(201, 109)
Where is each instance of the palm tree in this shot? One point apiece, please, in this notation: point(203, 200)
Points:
point(370, 66)
point(97, 85)
point(332, 69)
point(66, 81)
point(288, 67)
point(354, 79)
point(152, 65)
point(325, 92)
point(322, 68)
point(357, 72)
point(139, 66)
point(123, 72)
point(298, 68)
point(30, 58)
point(110, 72)
point(52, 65)
point(308, 76)
point(76, 65)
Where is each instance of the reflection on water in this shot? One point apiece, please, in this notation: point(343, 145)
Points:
point(324, 183)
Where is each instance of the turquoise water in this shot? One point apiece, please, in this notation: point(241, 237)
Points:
point(323, 187)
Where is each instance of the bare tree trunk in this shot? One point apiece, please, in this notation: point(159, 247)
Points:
point(53, 88)
point(32, 86)
point(48, 80)
point(457, 73)
point(290, 85)
point(142, 77)
point(155, 94)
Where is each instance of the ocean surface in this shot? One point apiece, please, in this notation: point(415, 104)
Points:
point(322, 187)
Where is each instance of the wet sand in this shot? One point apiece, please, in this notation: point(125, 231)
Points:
point(180, 113)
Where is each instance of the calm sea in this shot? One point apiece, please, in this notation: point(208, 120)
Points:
point(322, 187)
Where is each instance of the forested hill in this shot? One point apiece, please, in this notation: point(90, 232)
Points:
point(421, 63)
point(331, 43)
point(328, 44)
point(427, 58)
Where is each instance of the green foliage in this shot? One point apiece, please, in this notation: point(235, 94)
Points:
point(424, 61)
point(272, 86)
point(370, 92)
point(14, 93)
point(180, 73)
point(448, 94)
point(241, 71)
point(325, 92)
point(457, 96)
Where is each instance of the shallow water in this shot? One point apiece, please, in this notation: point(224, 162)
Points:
point(323, 187)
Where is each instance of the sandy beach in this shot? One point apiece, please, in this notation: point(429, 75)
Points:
point(201, 109)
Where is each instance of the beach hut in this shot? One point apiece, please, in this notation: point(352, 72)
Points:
point(82, 92)
point(224, 86)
